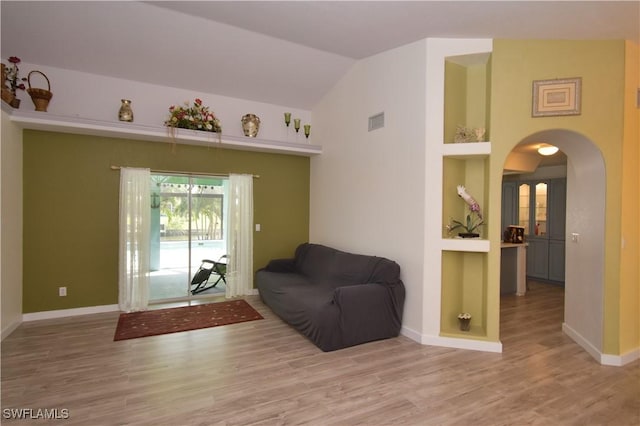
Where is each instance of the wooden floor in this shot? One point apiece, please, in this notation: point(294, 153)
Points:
point(264, 373)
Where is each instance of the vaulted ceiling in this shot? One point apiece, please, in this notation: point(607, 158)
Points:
point(285, 53)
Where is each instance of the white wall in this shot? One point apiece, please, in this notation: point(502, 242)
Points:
point(545, 172)
point(91, 96)
point(367, 188)
point(584, 277)
point(584, 259)
point(11, 226)
point(380, 192)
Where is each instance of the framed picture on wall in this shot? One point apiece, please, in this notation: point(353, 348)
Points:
point(556, 97)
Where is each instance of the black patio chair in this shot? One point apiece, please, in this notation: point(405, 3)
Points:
point(203, 274)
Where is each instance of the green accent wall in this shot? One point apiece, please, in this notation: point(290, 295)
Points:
point(71, 208)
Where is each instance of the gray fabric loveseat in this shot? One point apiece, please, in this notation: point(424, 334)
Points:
point(336, 299)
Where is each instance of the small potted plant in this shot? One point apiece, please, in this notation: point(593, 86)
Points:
point(464, 319)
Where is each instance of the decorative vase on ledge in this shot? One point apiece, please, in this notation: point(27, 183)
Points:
point(250, 125)
point(125, 113)
point(7, 96)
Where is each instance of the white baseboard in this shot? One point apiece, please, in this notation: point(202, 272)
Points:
point(10, 328)
point(411, 334)
point(469, 344)
point(579, 339)
point(628, 357)
point(61, 313)
point(620, 360)
point(452, 342)
point(602, 358)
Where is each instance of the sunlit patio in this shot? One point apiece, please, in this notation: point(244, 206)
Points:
point(172, 277)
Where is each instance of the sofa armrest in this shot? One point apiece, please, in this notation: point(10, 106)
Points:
point(372, 308)
point(281, 265)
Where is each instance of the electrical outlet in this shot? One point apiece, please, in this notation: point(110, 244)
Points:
point(575, 237)
point(62, 291)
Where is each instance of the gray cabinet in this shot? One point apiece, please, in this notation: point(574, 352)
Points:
point(538, 258)
point(557, 208)
point(556, 261)
point(540, 207)
point(509, 204)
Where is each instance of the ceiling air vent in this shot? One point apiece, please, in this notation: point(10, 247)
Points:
point(376, 121)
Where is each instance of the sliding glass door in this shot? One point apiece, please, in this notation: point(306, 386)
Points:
point(188, 225)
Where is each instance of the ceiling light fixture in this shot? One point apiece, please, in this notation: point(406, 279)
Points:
point(547, 150)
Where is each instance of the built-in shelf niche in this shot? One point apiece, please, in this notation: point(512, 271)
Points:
point(467, 99)
point(464, 288)
point(465, 261)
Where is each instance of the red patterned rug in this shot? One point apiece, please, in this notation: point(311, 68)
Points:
point(172, 320)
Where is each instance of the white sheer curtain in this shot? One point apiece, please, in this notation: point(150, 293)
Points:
point(135, 212)
point(240, 236)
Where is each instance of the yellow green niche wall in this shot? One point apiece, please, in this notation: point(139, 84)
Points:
point(629, 265)
point(601, 64)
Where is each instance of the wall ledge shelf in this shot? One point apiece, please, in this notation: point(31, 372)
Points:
point(466, 150)
point(33, 120)
point(465, 244)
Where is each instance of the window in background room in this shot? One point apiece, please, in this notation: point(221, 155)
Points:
point(523, 215)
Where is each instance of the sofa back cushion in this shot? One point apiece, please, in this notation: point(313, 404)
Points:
point(313, 260)
point(342, 268)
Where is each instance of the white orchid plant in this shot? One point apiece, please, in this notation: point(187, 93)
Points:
point(473, 220)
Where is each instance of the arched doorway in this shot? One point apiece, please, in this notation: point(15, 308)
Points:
point(584, 235)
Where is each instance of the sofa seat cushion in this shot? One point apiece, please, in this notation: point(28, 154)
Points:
point(305, 305)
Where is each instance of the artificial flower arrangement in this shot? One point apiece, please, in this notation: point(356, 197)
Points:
point(473, 220)
point(10, 74)
point(194, 117)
